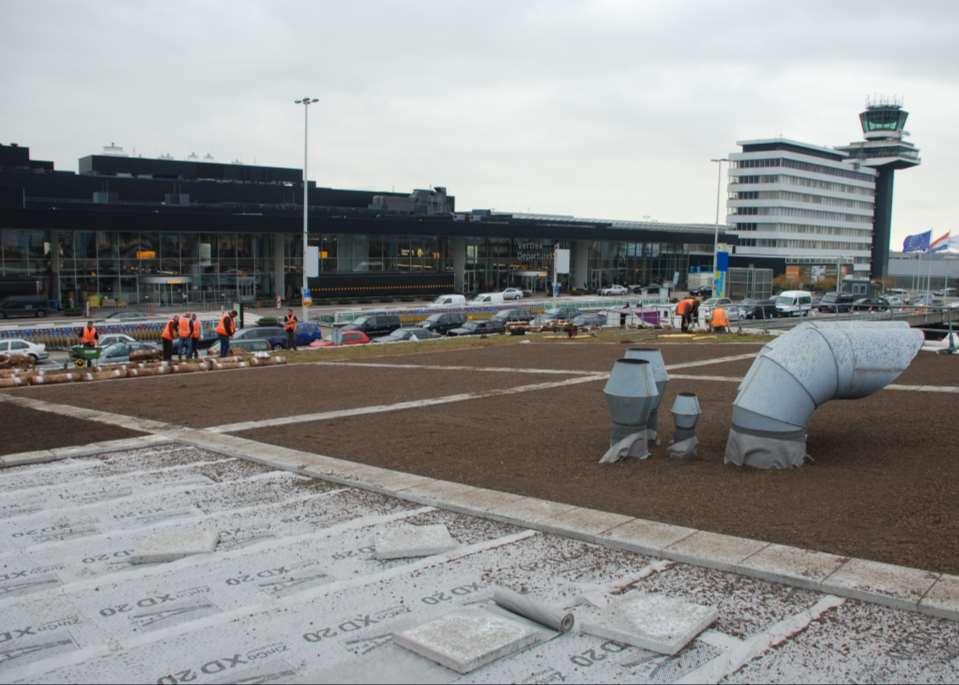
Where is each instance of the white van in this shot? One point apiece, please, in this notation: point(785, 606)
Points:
point(444, 301)
point(488, 298)
point(793, 303)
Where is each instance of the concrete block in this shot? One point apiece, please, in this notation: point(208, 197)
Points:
point(713, 550)
point(25, 458)
point(646, 537)
point(943, 599)
point(583, 522)
point(434, 492)
point(404, 541)
point(530, 512)
point(872, 581)
point(652, 621)
point(791, 565)
point(466, 639)
point(174, 545)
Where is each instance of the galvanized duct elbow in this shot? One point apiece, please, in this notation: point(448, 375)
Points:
point(801, 370)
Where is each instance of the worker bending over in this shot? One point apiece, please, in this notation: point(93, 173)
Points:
point(171, 331)
point(718, 320)
point(89, 337)
point(687, 309)
point(225, 330)
point(289, 325)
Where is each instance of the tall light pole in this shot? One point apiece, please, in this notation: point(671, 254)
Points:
point(719, 186)
point(306, 102)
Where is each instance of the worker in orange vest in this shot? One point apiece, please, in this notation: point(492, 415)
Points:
point(184, 335)
point(686, 308)
point(170, 332)
point(89, 337)
point(194, 337)
point(289, 325)
point(225, 330)
point(718, 320)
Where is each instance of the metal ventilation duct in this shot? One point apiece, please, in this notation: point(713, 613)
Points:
point(655, 358)
point(631, 395)
point(801, 370)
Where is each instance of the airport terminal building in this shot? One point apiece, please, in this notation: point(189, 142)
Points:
point(162, 231)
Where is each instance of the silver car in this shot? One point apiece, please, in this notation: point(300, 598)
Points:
point(20, 346)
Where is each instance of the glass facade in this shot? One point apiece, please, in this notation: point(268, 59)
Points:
point(163, 268)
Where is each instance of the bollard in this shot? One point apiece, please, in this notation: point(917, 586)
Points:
point(686, 412)
point(655, 358)
point(630, 395)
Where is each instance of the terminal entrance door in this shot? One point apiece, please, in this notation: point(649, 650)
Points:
point(166, 291)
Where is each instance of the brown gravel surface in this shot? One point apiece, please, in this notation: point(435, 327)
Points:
point(573, 356)
point(217, 397)
point(884, 485)
point(926, 369)
point(26, 430)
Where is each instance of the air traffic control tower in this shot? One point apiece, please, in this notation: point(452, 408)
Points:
point(884, 150)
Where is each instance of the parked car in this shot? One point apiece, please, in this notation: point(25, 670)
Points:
point(508, 316)
point(871, 304)
point(342, 337)
point(488, 298)
point(895, 300)
point(443, 322)
point(616, 290)
point(479, 327)
point(758, 309)
point(512, 294)
point(702, 291)
point(24, 305)
point(716, 302)
point(835, 304)
point(554, 319)
point(448, 301)
point(119, 353)
point(406, 334)
point(122, 314)
point(375, 325)
point(111, 338)
point(306, 332)
point(590, 320)
point(793, 302)
point(11, 346)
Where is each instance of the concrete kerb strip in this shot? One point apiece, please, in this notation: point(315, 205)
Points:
point(90, 449)
point(884, 584)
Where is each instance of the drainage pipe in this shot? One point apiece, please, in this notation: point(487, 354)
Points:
point(800, 371)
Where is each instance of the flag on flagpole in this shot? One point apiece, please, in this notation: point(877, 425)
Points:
point(940, 244)
point(918, 242)
point(952, 245)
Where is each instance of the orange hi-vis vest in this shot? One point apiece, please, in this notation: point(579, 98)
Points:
point(88, 336)
point(195, 329)
point(184, 327)
point(225, 327)
point(684, 307)
point(289, 324)
point(719, 318)
point(169, 332)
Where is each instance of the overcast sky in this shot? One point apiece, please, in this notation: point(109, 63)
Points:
point(601, 109)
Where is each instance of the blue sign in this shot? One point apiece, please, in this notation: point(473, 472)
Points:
point(918, 242)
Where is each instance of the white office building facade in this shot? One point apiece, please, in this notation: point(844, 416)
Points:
point(808, 205)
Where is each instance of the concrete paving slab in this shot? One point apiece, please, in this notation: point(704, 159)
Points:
point(435, 492)
point(588, 523)
point(791, 565)
point(405, 541)
point(171, 546)
point(654, 622)
point(943, 599)
point(713, 550)
point(528, 511)
point(466, 639)
point(899, 586)
point(645, 536)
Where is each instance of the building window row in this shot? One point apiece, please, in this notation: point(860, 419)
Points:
point(802, 244)
point(806, 183)
point(801, 197)
point(805, 213)
point(804, 166)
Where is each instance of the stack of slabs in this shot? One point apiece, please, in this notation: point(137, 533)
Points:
point(404, 541)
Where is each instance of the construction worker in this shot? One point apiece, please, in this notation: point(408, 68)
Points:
point(169, 333)
point(289, 325)
point(89, 337)
point(225, 330)
point(718, 320)
point(194, 337)
point(686, 308)
point(184, 334)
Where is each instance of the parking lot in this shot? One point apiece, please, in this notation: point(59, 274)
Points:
point(527, 419)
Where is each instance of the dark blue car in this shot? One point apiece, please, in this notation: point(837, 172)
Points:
point(276, 336)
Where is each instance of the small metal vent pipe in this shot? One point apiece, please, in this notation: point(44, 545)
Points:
point(686, 412)
point(655, 358)
point(630, 394)
point(800, 371)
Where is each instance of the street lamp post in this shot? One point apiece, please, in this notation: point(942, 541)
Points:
point(719, 181)
point(306, 102)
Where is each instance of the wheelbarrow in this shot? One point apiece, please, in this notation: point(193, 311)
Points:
point(81, 355)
